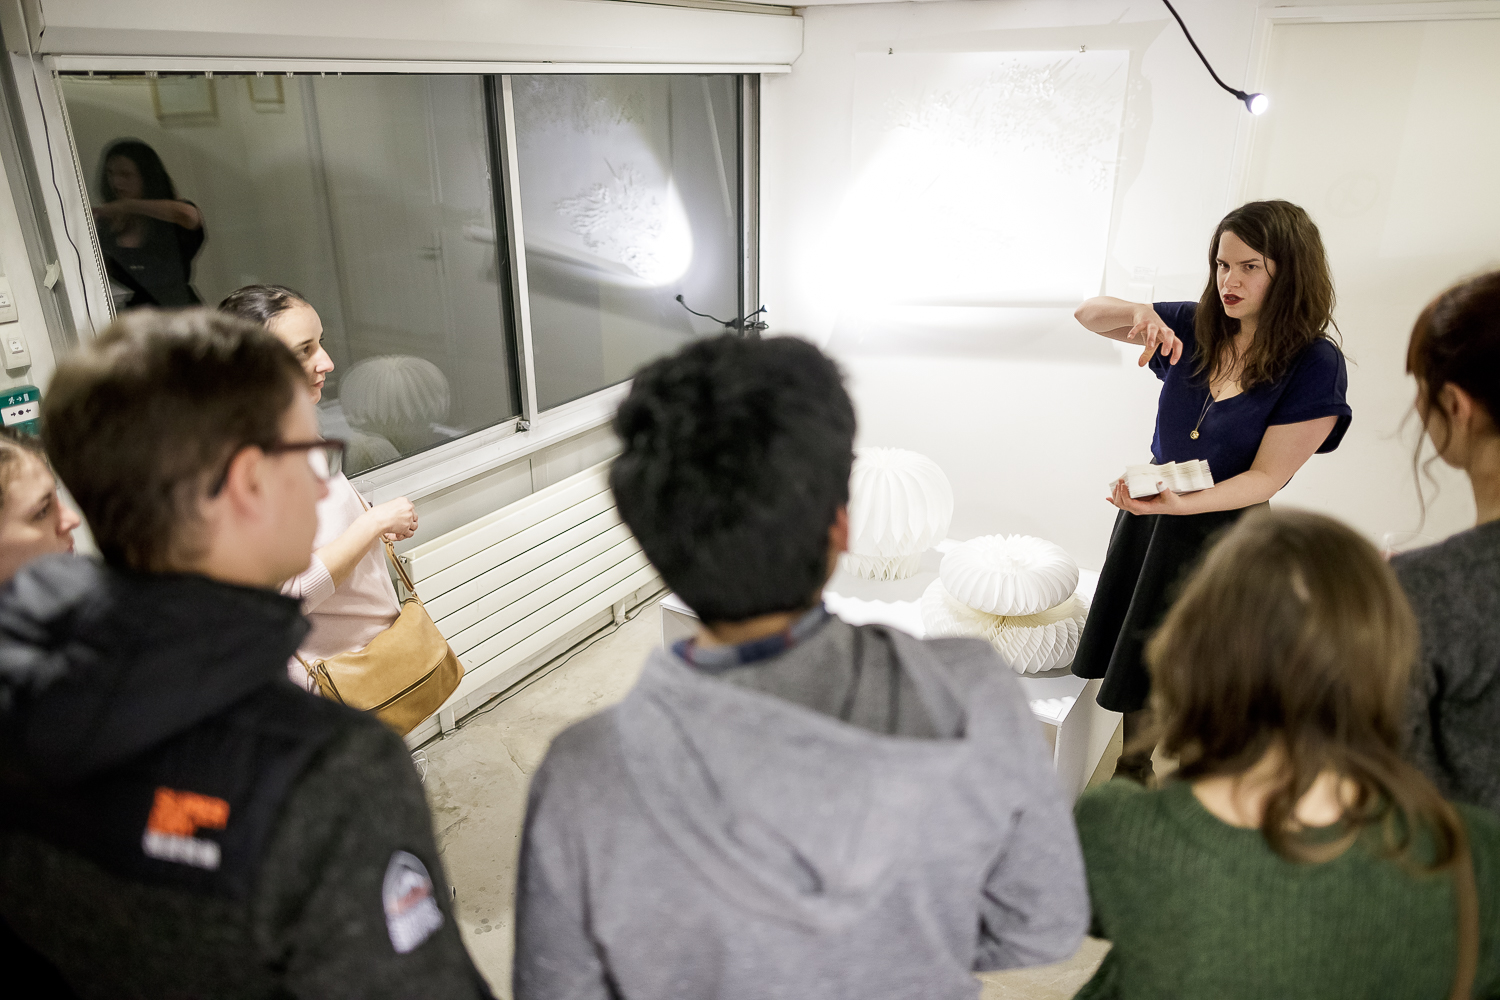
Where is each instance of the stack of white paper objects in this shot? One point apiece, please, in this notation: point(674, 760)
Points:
point(1179, 477)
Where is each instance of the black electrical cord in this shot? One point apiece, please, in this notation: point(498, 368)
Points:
point(741, 324)
point(1247, 99)
point(83, 283)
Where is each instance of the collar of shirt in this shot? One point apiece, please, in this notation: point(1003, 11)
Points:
point(717, 659)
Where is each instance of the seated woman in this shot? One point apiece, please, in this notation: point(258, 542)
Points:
point(346, 592)
point(33, 519)
point(1454, 587)
point(149, 235)
point(1295, 853)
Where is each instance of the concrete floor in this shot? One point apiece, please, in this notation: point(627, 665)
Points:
point(476, 784)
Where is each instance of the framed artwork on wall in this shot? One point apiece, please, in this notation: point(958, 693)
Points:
point(266, 93)
point(184, 100)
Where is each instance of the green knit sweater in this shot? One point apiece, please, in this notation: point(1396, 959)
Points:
point(1198, 908)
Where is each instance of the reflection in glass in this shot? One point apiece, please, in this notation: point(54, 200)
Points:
point(628, 190)
point(370, 195)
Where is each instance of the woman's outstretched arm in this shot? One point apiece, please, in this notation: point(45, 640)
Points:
point(1130, 323)
point(178, 213)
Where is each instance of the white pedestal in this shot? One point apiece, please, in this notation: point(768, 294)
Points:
point(1077, 729)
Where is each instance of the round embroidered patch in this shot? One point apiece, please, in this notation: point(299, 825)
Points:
point(411, 912)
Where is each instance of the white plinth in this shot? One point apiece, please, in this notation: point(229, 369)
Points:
point(1077, 729)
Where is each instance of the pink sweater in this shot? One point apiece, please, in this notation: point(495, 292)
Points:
point(349, 616)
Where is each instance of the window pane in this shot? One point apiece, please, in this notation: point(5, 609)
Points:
point(370, 195)
point(629, 198)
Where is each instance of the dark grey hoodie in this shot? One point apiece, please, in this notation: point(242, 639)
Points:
point(731, 836)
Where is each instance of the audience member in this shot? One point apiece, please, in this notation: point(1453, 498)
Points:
point(1295, 853)
point(33, 519)
point(786, 805)
point(346, 592)
point(1454, 587)
point(175, 819)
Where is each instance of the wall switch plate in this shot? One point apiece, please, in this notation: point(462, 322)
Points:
point(13, 347)
point(8, 312)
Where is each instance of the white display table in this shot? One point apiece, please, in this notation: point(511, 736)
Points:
point(1077, 729)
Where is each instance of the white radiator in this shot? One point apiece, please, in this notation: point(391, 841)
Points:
point(515, 588)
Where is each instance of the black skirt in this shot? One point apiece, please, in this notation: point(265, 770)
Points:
point(1149, 557)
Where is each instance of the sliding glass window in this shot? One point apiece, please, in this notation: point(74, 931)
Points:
point(378, 198)
point(629, 200)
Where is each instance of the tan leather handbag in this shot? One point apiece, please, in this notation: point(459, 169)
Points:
point(403, 675)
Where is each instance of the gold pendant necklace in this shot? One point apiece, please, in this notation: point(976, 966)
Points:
point(1207, 403)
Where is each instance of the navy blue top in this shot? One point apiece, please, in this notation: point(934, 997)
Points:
point(1231, 431)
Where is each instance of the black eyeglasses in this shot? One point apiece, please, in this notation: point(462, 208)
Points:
point(325, 458)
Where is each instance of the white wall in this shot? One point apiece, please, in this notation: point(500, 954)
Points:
point(1031, 432)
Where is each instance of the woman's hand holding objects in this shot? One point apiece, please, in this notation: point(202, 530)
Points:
point(395, 519)
point(1154, 335)
point(1165, 502)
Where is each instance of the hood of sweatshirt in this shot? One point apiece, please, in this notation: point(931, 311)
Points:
point(98, 665)
point(799, 815)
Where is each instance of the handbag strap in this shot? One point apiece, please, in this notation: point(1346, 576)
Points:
point(390, 551)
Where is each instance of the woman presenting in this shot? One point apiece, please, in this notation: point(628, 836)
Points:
point(1251, 384)
point(149, 235)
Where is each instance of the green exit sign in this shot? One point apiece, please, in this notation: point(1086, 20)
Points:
point(21, 408)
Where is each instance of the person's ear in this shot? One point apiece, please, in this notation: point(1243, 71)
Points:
point(1458, 406)
point(838, 532)
point(245, 481)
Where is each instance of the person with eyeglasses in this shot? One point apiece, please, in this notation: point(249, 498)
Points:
point(346, 592)
point(176, 819)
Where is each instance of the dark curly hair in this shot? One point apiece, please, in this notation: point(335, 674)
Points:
point(736, 461)
point(156, 183)
point(1299, 304)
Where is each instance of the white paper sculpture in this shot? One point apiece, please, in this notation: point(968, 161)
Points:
point(1031, 644)
point(1009, 574)
point(1179, 477)
point(396, 396)
point(900, 504)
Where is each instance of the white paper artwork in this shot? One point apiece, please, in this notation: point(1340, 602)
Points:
point(1029, 643)
point(982, 178)
point(1009, 574)
point(900, 505)
point(1179, 477)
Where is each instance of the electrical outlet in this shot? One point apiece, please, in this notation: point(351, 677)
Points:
point(8, 313)
point(13, 347)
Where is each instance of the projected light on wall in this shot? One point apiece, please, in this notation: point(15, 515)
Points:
point(633, 222)
point(982, 180)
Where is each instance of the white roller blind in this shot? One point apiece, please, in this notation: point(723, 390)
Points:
point(586, 31)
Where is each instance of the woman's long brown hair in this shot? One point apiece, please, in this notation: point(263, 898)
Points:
point(1298, 308)
point(1455, 341)
point(1295, 634)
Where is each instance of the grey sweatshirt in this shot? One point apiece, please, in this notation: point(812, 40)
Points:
point(1454, 587)
point(710, 837)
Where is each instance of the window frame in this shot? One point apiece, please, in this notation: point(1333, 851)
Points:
point(475, 454)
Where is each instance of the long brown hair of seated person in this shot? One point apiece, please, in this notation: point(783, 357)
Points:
point(1295, 637)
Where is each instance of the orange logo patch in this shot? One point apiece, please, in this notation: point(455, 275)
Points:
point(175, 818)
point(185, 813)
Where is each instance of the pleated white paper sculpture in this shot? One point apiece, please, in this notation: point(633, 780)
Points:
point(900, 505)
point(396, 396)
point(1031, 644)
point(1009, 574)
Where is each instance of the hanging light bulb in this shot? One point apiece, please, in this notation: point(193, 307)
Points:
point(1256, 104)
